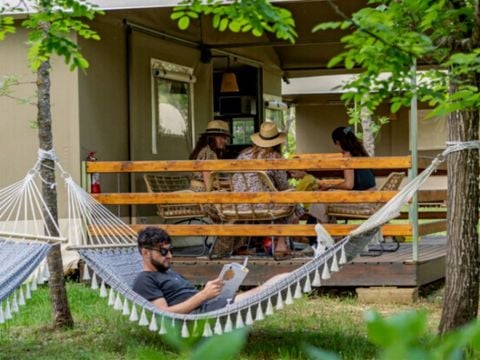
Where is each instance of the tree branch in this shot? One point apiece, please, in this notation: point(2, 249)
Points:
point(366, 31)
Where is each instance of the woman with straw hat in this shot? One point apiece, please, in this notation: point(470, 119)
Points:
point(210, 146)
point(266, 145)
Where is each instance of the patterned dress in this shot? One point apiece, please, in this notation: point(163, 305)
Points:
point(250, 182)
point(197, 183)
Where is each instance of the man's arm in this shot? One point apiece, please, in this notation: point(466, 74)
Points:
point(212, 289)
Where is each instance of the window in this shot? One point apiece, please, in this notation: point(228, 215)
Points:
point(243, 128)
point(172, 117)
point(275, 111)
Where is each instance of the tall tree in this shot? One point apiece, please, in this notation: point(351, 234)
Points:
point(51, 24)
point(392, 36)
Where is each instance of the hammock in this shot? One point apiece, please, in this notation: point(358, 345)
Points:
point(109, 249)
point(23, 243)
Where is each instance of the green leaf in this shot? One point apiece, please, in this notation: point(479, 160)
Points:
point(176, 15)
point(223, 24)
point(216, 20)
point(327, 26)
point(221, 347)
point(257, 32)
point(184, 22)
point(234, 26)
point(349, 63)
point(335, 60)
point(395, 107)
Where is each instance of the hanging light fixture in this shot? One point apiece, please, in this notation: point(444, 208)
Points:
point(229, 80)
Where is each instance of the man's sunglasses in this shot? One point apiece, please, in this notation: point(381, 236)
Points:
point(162, 251)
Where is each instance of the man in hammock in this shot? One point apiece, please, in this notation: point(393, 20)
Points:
point(170, 291)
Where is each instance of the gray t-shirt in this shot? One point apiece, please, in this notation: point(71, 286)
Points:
point(170, 285)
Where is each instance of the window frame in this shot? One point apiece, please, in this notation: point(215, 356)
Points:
point(170, 71)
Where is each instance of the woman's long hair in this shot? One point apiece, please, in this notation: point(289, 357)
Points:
point(204, 140)
point(261, 152)
point(348, 141)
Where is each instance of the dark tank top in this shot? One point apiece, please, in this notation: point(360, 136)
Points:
point(364, 179)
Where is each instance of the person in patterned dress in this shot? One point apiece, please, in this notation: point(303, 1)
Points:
point(210, 146)
point(266, 145)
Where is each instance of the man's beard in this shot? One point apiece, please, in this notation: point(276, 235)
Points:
point(159, 266)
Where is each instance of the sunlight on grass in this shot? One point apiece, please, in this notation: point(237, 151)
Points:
point(332, 323)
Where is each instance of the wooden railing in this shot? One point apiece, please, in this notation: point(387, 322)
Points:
point(317, 162)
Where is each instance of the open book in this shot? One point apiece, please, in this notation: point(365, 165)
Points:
point(233, 275)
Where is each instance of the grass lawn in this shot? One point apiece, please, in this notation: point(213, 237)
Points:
point(334, 323)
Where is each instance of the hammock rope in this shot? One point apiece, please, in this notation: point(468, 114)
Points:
point(25, 241)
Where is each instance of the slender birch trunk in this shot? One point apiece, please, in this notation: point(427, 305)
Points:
point(60, 308)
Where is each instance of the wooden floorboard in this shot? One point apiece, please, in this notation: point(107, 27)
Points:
point(388, 269)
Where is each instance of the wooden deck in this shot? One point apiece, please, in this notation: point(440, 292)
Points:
point(389, 269)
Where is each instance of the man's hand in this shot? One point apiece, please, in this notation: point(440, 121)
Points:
point(212, 288)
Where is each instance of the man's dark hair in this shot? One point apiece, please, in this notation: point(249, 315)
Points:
point(151, 236)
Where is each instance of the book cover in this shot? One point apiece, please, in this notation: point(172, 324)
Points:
point(233, 275)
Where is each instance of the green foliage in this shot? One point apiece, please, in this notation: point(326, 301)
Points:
point(319, 354)
point(6, 25)
point(52, 25)
point(405, 336)
point(389, 37)
point(199, 348)
point(255, 16)
point(354, 117)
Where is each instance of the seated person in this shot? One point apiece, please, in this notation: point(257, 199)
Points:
point(267, 145)
point(210, 146)
point(353, 179)
point(350, 146)
point(170, 291)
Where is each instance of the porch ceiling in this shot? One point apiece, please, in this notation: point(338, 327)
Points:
point(308, 56)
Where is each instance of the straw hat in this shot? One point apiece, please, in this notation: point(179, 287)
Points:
point(268, 136)
point(217, 127)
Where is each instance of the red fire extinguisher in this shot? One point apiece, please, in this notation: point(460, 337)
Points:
point(95, 177)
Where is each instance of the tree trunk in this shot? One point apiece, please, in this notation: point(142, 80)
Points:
point(288, 124)
point(462, 264)
point(368, 138)
point(61, 310)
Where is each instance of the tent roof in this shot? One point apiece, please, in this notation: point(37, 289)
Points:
point(307, 57)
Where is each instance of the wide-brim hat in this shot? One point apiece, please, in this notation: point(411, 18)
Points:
point(268, 136)
point(217, 127)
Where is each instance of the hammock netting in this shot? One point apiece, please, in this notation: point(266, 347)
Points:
point(108, 246)
point(24, 242)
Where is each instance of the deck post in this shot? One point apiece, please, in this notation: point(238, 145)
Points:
point(413, 209)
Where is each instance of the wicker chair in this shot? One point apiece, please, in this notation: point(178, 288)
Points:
point(178, 213)
point(233, 213)
point(364, 211)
